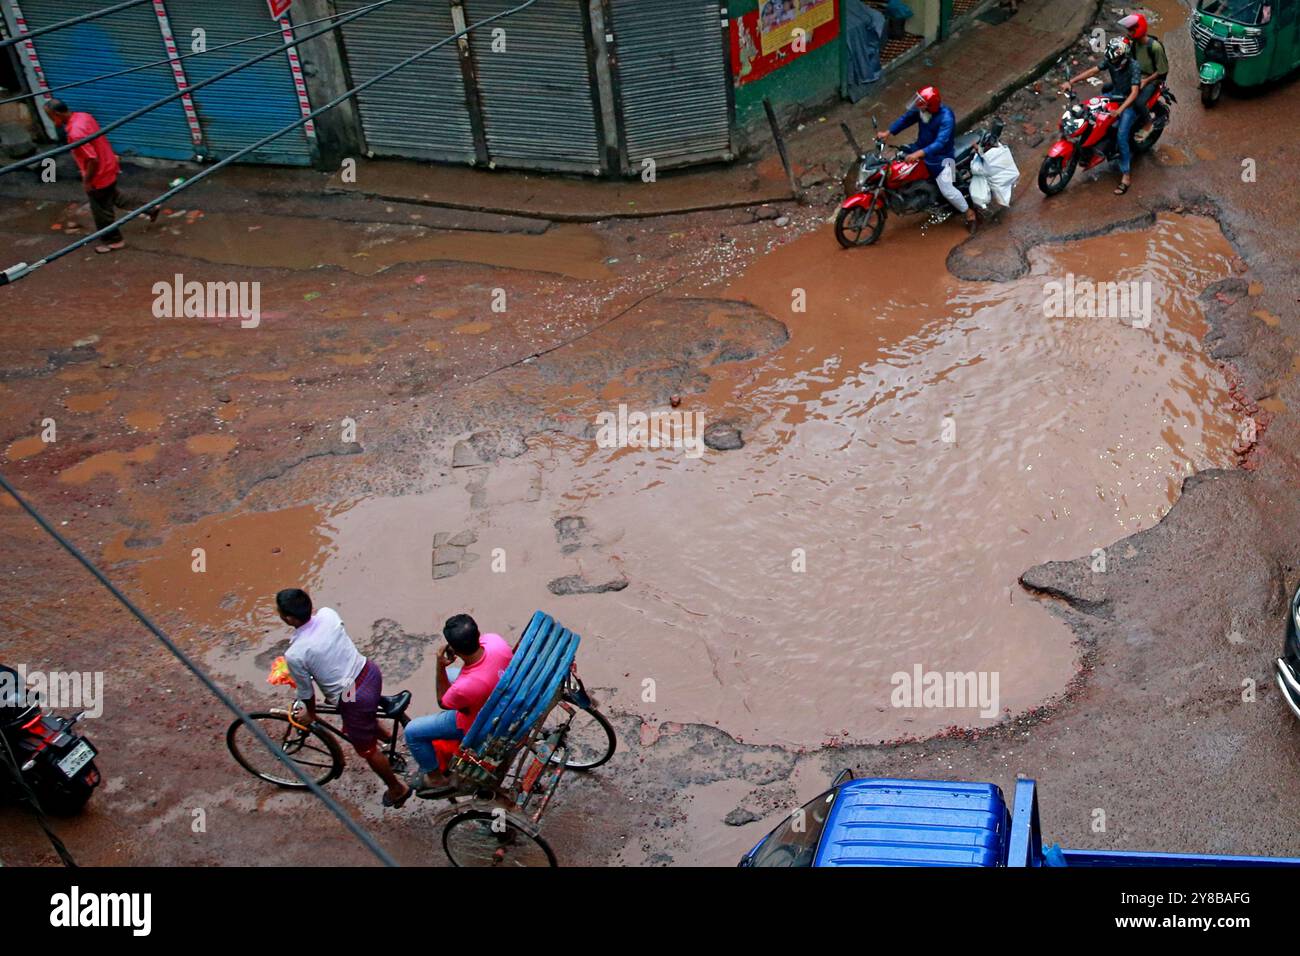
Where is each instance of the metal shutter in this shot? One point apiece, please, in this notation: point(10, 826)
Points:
point(672, 80)
point(116, 42)
point(538, 96)
point(256, 101)
point(420, 110)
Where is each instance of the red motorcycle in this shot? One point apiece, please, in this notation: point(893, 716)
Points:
point(875, 185)
point(42, 754)
point(1090, 135)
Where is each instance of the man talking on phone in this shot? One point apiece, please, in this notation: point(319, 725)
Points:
point(484, 658)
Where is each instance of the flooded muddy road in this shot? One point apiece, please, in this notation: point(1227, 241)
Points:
point(908, 430)
point(904, 461)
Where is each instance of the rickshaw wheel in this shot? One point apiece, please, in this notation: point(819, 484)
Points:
point(483, 838)
point(1210, 93)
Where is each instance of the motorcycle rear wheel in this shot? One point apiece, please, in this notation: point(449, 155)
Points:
point(859, 226)
point(63, 798)
point(1054, 174)
point(1141, 146)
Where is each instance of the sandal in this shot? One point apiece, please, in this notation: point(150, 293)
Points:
point(397, 804)
point(1122, 188)
point(111, 247)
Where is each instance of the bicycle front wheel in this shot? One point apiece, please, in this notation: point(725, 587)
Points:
point(315, 752)
point(483, 838)
point(589, 740)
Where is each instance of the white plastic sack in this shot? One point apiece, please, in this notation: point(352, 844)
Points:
point(980, 192)
point(998, 167)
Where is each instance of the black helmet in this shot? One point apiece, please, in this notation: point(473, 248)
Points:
point(1117, 50)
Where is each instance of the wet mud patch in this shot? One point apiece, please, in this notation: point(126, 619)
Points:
point(1002, 255)
point(370, 248)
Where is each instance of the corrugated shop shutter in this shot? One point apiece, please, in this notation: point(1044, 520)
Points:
point(116, 42)
point(672, 80)
point(256, 101)
point(420, 110)
point(539, 106)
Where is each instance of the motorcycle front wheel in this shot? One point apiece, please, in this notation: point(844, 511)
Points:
point(1055, 174)
point(859, 226)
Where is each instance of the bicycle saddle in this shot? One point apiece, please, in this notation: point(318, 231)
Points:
point(394, 705)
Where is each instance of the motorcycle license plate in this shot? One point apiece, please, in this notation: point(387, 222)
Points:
point(76, 758)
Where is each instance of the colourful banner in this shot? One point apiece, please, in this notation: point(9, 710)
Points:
point(279, 7)
point(778, 20)
point(778, 32)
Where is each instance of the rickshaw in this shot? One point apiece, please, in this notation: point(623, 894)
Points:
point(537, 724)
point(1244, 42)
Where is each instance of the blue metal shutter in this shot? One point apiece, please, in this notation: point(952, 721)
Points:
point(116, 42)
point(256, 101)
point(672, 80)
point(420, 110)
point(539, 102)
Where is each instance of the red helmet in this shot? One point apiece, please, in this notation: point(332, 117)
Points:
point(927, 98)
point(1135, 24)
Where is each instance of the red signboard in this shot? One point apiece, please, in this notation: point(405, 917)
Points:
point(279, 7)
point(777, 33)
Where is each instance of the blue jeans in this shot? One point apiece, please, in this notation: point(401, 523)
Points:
point(423, 731)
point(1127, 120)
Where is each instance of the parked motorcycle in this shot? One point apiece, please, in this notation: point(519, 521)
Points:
point(877, 185)
point(1090, 135)
point(47, 754)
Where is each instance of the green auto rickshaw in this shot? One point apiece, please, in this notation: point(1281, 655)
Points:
point(1245, 42)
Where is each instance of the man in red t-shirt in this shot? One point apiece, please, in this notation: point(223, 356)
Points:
point(484, 657)
point(99, 169)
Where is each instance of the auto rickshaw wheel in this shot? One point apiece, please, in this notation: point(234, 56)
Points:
point(1210, 93)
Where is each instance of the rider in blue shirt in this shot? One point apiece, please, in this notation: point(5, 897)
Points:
point(935, 143)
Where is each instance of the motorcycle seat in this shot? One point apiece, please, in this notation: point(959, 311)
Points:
point(394, 705)
point(964, 147)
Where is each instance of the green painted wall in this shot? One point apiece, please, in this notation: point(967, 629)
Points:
point(807, 82)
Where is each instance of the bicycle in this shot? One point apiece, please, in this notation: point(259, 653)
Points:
point(313, 748)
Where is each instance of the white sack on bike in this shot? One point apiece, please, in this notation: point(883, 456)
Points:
point(997, 169)
point(980, 191)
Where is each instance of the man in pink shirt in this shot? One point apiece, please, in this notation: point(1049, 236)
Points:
point(99, 170)
point(484, 657)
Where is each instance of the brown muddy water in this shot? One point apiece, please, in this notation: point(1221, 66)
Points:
point(916, 445)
